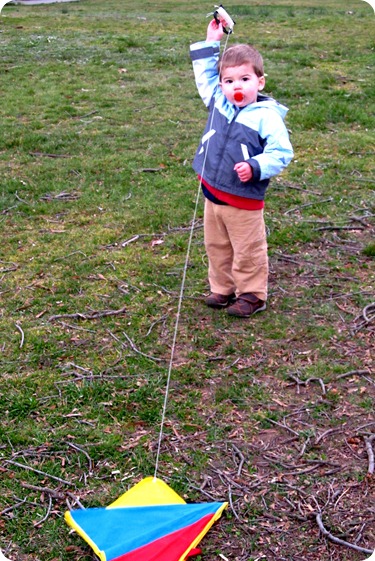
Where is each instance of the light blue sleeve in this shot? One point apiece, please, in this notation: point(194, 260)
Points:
point(278, 151)
point(205, 57)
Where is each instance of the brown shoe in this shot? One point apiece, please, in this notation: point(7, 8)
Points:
point(215, 300)
point(246, 305)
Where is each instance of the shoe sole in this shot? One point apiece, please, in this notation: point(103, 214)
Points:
point(220, 306)
point(264, 307)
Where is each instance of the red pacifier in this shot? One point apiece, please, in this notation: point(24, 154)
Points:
point(238, 96)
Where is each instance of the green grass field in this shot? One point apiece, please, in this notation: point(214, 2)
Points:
point(100, 120)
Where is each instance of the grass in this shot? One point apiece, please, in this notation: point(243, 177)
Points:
point(100, 121)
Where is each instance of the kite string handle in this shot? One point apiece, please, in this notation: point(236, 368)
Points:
point(220, 16)
point(180, 298)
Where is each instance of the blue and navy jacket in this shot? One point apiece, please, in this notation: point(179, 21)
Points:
point(255, 134)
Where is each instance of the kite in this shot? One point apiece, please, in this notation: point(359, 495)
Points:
point(150, 522)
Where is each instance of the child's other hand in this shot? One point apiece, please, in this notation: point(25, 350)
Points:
point(215, 31)
point(244, 171)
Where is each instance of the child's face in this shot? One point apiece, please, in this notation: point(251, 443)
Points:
point(241, 85)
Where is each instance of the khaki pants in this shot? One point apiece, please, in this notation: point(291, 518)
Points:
point(236, 247)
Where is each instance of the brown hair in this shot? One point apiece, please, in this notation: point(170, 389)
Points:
point(242, 54)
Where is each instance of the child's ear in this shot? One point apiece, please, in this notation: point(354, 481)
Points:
point(262, 83)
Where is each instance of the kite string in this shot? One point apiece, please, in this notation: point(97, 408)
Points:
point(181, 295)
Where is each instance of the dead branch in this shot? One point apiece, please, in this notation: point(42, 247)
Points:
point(370, 453)
point(328, 200)
point(36, 524)
point(63, 196)
point(361, 220)
point(338, 541)
point(69, 255)
point(13, 267)
point(134, 348)
point(370, 424)
point(10, 508)
point(130, 240)
point(23, 466)
point(326, 433)
point(231, 504)
point(196, 226)
point(367, 317)
point(152, 170)
point(353, 373)
point(90, 315)
point(78, 449)
point(6, 210)
point(369, 308)
point(22, 334)
point(160, 320)
point(338, 228)
point(76, 500)
point(288, 258)
point(297, 188)
point(284, 426)
point(306, 382)
point(46, 155)
point(75, 327)
point(364, 179)
point(55, 494)
point(242, 459)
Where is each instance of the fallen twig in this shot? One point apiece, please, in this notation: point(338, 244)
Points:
point(231, 503)
point(369, 308)
point(353, 373)
point(306, 382)
point(23, 466)
point(368, 315)
point(10, 508)
point(298, 188)
point(36, 524)
point(130, 240)
point(46, 155)
point(69, 255)
point(284, 426)
point(370, 424)
point(90, 315)
point(326, 433)
point(76, 500)
point(55, 494)
point(22, 334)
point(370, 453)
point(63, 196)
point(361, 220)
point(330, 199)
point(337, 228)
point(75, 327)
point(160, 320)
point(242, 459)
point(13, 267)
point(152, 170)
point(134, 348)
point(78, 449)
point(333, 538)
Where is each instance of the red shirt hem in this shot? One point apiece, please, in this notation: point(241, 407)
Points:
point(234, 200)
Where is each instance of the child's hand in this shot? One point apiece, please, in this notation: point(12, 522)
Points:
point(215, 31)
point(244, 171)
